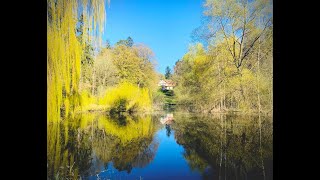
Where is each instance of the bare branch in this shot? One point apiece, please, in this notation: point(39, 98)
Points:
point(225, 36)
point(254, 41)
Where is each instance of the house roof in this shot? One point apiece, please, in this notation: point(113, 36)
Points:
point(168, 82)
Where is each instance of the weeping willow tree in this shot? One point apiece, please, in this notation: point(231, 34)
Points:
point(65, 49)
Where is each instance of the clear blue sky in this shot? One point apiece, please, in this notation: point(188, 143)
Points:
point(163, 25)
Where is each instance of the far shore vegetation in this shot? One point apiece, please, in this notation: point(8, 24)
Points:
point(229, 67)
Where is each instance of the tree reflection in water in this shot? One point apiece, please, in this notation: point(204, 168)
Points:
point(167, 121)
point(215, 147)
point(226, 146)
point(168, 130)
point(85, 145)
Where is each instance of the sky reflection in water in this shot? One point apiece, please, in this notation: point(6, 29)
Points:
point(165, 146)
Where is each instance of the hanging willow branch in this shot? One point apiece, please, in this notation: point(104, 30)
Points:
point(64, 49)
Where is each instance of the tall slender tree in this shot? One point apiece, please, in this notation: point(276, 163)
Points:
point(168, 73)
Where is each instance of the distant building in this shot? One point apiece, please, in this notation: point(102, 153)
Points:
point(166, 84)
point(168, 119)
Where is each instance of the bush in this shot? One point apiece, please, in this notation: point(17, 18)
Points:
point(158, 98)
point(127, 97)
point(87, 101)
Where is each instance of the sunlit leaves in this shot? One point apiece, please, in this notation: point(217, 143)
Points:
point(127, 97)
point(64, 49)
point(234, 70)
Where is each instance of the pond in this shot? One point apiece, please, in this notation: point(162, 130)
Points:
point(160, 146)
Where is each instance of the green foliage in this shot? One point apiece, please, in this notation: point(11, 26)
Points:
point(135, 65)
point(245, 143)
point(73, 143)
point(234, 72)
point(105, 72)
point(127, 97)
point(168, 73)
point(67, 156)
point(115, 67)
point(128, 42)
point(108, 45)
point(87, 56)
point(65, 50)
point(88, 101)
point(158, 99)
point(209, 81)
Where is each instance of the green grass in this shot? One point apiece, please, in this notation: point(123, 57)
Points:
point(169, 97)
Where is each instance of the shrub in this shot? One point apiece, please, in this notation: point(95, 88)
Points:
point(127, 97)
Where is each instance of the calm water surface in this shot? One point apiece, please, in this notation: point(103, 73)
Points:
point(162, 146)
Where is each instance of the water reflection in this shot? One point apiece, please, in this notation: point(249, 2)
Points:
point(84, 146)
point(93, 146)
point(227, 147)
point(167, 120)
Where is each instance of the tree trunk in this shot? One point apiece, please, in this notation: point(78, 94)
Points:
point(225, 149)
point(260, 147)
point(258, 77)
point(221, 149)
point(104, 79)
point(93, 81)
point(271, 88)
point(224, 95)
point(220, 106)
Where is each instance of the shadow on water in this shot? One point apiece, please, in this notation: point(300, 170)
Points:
point(214, 147)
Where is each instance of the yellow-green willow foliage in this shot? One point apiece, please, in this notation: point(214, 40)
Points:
point(142, 127)
point(88, 102)
point(68, 149)
point(127, 97)
point(64, 49)
point(126, 141)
